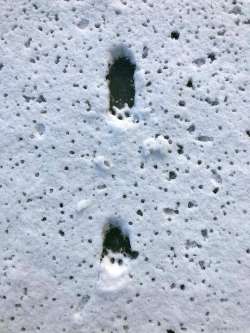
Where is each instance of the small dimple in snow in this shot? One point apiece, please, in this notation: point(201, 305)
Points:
point(205, 138)
point(83, 23)
point(199, 61)
point(40, 128)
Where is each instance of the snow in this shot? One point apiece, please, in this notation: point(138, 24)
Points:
point(83, 204)
point(172, 169)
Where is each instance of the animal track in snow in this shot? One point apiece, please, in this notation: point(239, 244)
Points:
point(121, 83)
point(116, 256)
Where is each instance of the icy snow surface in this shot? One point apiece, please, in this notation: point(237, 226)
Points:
point(131, 216)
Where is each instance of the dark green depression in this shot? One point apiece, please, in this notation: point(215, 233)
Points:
point(118, 242)
point(121, 83)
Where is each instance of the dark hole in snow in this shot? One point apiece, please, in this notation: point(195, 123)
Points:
point(192, 204)
point(204, 233)
point(145, 52)
point(61, 232)
point(117, 241)
point(190, 83)
point(216, 190)
point(182, 103)
point(175, 34)
point(172, 175)
point(180, 149)
point(41, 99)
point(191, 128)
point(211, 56)
point(121, 83)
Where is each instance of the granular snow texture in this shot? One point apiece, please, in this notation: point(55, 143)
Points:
point(125, 166)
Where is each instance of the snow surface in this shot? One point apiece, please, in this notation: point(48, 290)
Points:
point(174, 173)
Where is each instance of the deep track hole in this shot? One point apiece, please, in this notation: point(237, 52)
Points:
point(117, 241)
point(121, 83)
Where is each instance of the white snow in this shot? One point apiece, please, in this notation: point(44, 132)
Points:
point(174, 168)
point(83, 204)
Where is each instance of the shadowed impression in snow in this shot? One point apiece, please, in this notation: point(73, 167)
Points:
point(117, 241)
point(121, 84)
